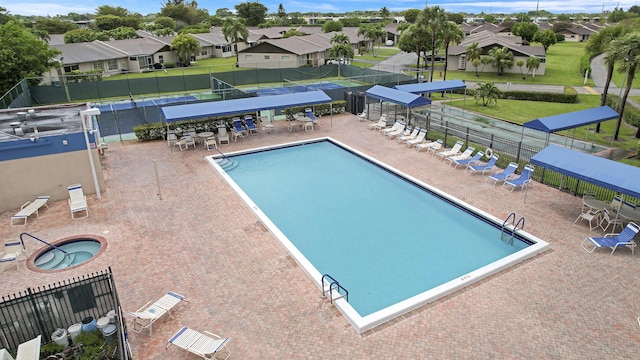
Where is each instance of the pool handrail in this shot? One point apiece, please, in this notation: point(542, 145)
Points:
point(42, 241)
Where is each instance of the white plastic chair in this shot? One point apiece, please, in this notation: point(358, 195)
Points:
point(77, 201)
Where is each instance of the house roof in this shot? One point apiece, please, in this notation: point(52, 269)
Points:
point(487, 41)
point(139, 46)
point(578, 30)
point(299, 45)
point(76, 53)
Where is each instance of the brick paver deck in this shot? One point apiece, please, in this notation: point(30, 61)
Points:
point(201, 241)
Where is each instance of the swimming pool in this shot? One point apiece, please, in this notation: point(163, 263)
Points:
point(393, 242)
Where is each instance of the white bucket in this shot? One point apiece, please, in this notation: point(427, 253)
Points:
point(112, 316)
point(60, 337)
point(74, 330)
point(102, 322)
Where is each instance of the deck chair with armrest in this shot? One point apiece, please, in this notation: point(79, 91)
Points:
point(205, 346)
point(414, 134)
point(251, 126)
point(223, 135)
point(381, 122)
point(430, 146)
point(482, 168)
point(522, 181)
point(463, 158)
point(12, 250)
point(238, 129)
point(149, 313)
point(419, 139)
point(29, 208)
point(400, 132)
point(396, 126)
point(77, 201)
point(362, 115)
point(506, 174)
point(613, 240)
point(608, 219)
point(455, 150)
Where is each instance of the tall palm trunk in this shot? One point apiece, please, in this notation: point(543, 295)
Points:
point(630, 74)
point(605, 91)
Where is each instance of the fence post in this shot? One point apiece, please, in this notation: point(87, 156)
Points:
point(446, 132)
point(36, 314)
point(518, 152)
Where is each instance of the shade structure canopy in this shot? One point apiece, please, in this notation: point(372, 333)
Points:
point(238, 106)
point(396, 96)
point(572, 120)
point(603, 172)
point(436, 86)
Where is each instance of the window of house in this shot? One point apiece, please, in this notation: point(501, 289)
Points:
point(133, 58)
point(71, 68)
point(203, 52)
point(248, 57)
point(285, 57)
point(98, 65)
point(112, 65)
point(266, 57)
point(161, 59)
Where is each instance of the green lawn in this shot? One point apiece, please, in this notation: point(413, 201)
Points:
point(204, 66)
point(381, 54)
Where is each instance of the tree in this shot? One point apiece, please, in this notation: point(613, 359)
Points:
point(164, 22)
point(414, 39)
point(487, 92)
point(253, 12)
point(384, 13)
point(185, 45)
point(4, 16)
point(451, 33)
point(627, 50)
point(520, 64)
point(107, 22)
point(223, 13)
point(351, 21)
point(117, 11)
point(533, 63)
point(432, 19)
point(282, 14)
point(332, 25)
point(182, 13)
point(372, 33)
point(79, 36)
point(473, 53)
point(501, 58)
point(411, 15)
point(123, 32)
point(456, 18)
point(525, 30)
point(235, 30)
point(546, 38)
point(292, 32)
point(341, 48)
point(491, 19)
point(598, 44)
point(22, 55)
point(54, 26)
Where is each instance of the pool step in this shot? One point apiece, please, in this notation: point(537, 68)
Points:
point(227, 164)
point(54, 260)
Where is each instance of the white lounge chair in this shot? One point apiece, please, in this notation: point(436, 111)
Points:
point(413, 135)
point(396, 126)
point(417, 140)
point(381, 123)
point(465, 155)
point(77, 202)
point(29, 350)
point(29, 208)
point(455, 150)
point(151, 312)
point(200, 344)
point(400, 132)
point(430, 146)
point(361, 116)
point(223, 135)
point(13, 249)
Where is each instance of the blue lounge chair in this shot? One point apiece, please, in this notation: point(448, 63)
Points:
point(522, 180)
point(466, 162)
point(508, 173)
point(613, 241)
point(238, 129)
point(251, 126)
point(471, 169)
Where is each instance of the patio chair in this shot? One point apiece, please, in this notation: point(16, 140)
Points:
point(506, 174)
point(172, 138)
point(77, 201)
point(482, 168)
point(12, 250)
point(189, 139)
point(200, 344)
point(223, 135)
point(149, 313)
point(613, 240)
point(211, 143)
point(396, 126)
point(522, 181)
point(30, 208)
point(417, 140)
point(610, 221)
point(430, 146)
point(465, 158)
point(251, 126)
point(455, 150)
point(402, 131)
point(362, 115)
point(413, 135)
point(381, 122)
point(29, 350)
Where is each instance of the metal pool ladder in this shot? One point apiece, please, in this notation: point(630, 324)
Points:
point(505, 232)
point(329, 284)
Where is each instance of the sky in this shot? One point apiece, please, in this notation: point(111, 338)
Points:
point(63, 7)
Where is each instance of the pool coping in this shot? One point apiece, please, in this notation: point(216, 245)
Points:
point(368, 322)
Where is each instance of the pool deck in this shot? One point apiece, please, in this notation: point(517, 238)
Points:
point(201, 241)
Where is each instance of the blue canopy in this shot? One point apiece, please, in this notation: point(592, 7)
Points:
point(237, 106)
point(572, 120)
point(436, 86)
point(603, 172)
point(396, 96)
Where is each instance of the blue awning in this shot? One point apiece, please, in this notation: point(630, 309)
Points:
point(428, 87)
point(238, 106)
point(396, 96)
point(572, 120)
point(603, 172)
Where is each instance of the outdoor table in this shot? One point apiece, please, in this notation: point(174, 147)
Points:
point(595, 204)
point(629, 214)
point(269, 128)
point(204, 135)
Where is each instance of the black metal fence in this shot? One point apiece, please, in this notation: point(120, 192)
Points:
point(42, 310)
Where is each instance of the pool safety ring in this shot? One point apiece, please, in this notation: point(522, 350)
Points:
point(489, 152)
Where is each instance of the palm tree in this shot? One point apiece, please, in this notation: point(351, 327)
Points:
point(235, 30)
point(487, 92)
point(433, 19)
point(185, 45)
point(626, 50)
point(533, 63)
point(451, 33)
point(473, 52)
point(413, 39)
point(520, 64)
point(341, 48)
point(501, 58)
point(384, 12)
point(373, 33)
point(598, 44)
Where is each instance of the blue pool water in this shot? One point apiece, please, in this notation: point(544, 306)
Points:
point(384, 238)
point(77, 252)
